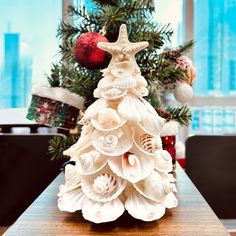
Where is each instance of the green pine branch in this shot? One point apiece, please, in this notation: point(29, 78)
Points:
point(58, 144)
point(182, 114)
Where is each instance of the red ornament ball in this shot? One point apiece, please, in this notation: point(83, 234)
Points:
point(88, 54)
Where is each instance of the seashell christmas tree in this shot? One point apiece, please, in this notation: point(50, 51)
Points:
point(119, 161)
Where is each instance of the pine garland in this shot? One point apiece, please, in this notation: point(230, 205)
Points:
point(182, 115)
point(58, 144)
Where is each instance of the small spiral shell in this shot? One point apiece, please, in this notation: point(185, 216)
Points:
point(104, 184)
point(149, 143)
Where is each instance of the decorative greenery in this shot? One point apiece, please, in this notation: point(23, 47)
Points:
point(182, 115)
point(106, 19)
point(58, 144)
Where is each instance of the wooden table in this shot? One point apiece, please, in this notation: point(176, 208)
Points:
point(193, 216)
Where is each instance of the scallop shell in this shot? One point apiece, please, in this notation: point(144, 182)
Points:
point(72, 200)
point(142, 208)
point(131, 108)
point(146, 142)
point(115, 163)
point(154, 188)
point(102, 186)
point(84, 142)
point(113, 143)
point(72, 177)
point(125, 83)
point(107, 120)
point(141, 81)
point(95, 108)
point(105, 83)
point(122, 69)
point(149, 107)
point(163, 161)
point(90, 162)
point(171, 201)
point(100, 212)
point(153, 124)
point(113, 93)
point(97, 93)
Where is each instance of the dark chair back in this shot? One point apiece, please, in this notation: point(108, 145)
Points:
point(211, 165)
point(25, 171)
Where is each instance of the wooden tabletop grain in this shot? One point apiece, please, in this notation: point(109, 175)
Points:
point(192, 217)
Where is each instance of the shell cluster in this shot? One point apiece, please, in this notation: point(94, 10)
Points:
point(119, 161)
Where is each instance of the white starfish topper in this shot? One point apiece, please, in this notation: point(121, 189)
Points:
point(122, 49)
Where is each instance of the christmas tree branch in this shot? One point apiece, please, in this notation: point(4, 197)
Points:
point(58, 144)
point(182, 114)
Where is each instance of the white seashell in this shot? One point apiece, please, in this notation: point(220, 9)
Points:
point(153, 187)
point(167, 176)
point(115, 163)
point(84, 142)
point(149, 107)
point(150, 143)
point(171, 201)
point(72, 177)
point(102, 186)
point(146, 142)
point(136, 165)
point(122, 69)
point(113, 93)
point(100, 212)
point(140, 91)
point(72, 200)
point(90, 162)
point(105, 83)
point(142, 208)
point(97, 93)
point(131, 167)
point(125, 83)
point(107, 120)
point(131, 108)
point(163, 161)
point(153, 124)
point(113, 143)
point(95, 108)
point(141, 81)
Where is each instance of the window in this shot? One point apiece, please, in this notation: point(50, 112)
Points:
point(28, 45)
point(215, 59)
